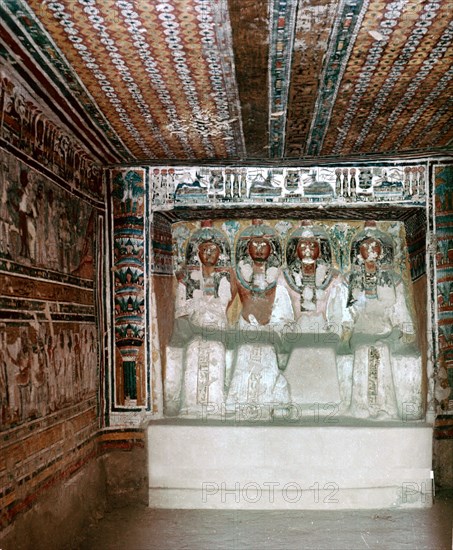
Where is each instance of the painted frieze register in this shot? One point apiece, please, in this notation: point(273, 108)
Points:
point(280, 318)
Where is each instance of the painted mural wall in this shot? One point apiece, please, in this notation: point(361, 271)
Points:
point(51, 223)
point(26, 128)
point(443, 198)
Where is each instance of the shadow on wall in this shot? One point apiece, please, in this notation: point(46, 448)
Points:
point(117, 478)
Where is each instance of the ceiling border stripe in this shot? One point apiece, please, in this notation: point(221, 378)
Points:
point(43, 50)
point(224, 36)
point(386, 158)
point(282, 29)
point(36, 83)
point(314, 23)
point(341, 42)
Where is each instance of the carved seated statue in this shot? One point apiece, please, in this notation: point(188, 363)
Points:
point(266, 308)
point(386, 377)
point(318, 296)
point(195, 369)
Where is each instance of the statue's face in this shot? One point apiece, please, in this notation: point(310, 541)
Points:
point(259, 249)
point(370, 249)
point(308, 250)
point(208, 253)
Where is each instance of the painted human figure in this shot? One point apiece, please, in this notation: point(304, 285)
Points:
point(50, 348)
point(78, 367)
point(259, 291)
point(23, 363)
point(27, 215)
point(266, 308)
point(387, 363)
point(65, 240)
point(308, 251)
point(60, 354)
point(370, 252)
point(51, 241)
point(89, 359)
point(40, 224)
point(5, 219)
point(4, 389)
point(39, 379)
point(196, 364)
point(10, 394)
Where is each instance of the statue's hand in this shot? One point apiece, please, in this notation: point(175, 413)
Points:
point(407, 337)
point(346, 332)
point(253, 322)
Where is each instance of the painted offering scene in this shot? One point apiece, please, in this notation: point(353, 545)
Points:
point(292, 320)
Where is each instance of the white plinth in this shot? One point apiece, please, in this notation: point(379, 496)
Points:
point(228, 466)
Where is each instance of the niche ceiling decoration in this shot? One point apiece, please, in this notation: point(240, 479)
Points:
point(240, 79)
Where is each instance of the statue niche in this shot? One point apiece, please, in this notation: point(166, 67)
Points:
point(265, 310)
point(286, 330)
point(386, 380)
point(195, 369)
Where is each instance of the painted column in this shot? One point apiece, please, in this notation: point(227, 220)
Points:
point(128, 230)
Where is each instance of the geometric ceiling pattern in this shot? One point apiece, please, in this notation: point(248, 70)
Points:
point(241, 80)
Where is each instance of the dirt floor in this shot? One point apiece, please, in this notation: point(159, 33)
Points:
point(141, 528)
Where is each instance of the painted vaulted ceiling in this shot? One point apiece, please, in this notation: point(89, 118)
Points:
point(240, 80)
